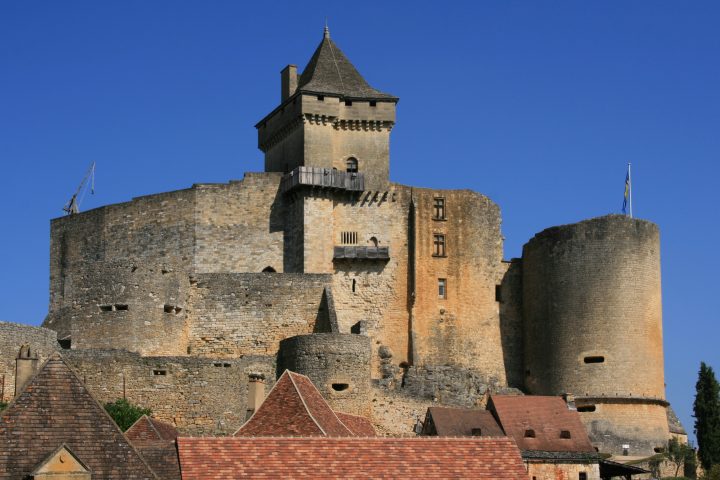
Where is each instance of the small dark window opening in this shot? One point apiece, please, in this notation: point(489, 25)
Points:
point(658, 450)
point(226, 365)
point(586, 408)
point(374, 241)
point(439, 245)
point(357, 328)
point(353, 285)
point(321, 98)
point(498, 293)
point(442, 288)
point(352, 165)
point(439, 208)
point(626, 451)
point(348, 103)
point(582, 476)
point(564, 433)
point(595, 359)
point(269, 270)
point(65, 344)
point(119, 307)
point(339, 387)
point(529, 433)
point(476, 432)
point(169, 309)
point(217, 364)
point(106, 308)
point(159, 372)
point(373, 103)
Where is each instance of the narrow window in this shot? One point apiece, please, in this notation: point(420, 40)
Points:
point(439, 208)
point(159, 373)
point(498, 293)
point(119, 306)
point(595, 359)
point(442, 288)
point(374, 241)
point(373, 103)
point(65, 343)
point(348, 238)
point(339, 387)
point(565, 434)
point(217, 364)
point(348, 103)
point(352, 165)
point(321, 98)
point(353, 285)
point(169, 309)
point(439, 245)
point(106, 308)
point(529, 433)
point(582, 476)
point(586, 408)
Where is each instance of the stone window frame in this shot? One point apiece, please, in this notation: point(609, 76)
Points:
point(442, 288)
point(439, 212)
point(439, 245)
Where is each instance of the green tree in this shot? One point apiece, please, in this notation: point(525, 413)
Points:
point(712, 474)
point(125, 413)
point(707, 417)
point(679, 454)
point(3, 405)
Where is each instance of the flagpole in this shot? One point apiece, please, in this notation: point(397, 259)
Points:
point(630, 190)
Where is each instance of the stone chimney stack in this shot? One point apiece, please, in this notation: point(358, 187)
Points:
point(256, 394)
point(570, 400)
point(288, 82)
point(26, 366)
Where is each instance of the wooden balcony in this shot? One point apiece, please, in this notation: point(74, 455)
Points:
point(323, 178)
point(354, 252)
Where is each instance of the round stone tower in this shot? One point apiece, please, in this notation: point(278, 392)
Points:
point(593, 328)
point(338, 364)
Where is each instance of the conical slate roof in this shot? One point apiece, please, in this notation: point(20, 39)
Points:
point(330, 72)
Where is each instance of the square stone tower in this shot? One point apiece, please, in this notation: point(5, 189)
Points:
point(329, 118)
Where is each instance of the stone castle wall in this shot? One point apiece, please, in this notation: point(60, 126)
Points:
point(42, 342)
point(592, 309)
point(200, 396)
point(338, 365)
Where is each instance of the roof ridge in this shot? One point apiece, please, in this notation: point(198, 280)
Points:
point(261, 405)
point(302, 399)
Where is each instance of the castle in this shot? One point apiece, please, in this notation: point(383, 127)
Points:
point(390, 298)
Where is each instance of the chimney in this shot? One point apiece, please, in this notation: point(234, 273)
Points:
point(570, 400)
point(256, 393)
point(288, 82)
point(26, 365)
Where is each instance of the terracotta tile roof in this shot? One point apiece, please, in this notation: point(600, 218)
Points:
point(55, 408)
point(294, 407)
point(162, 457)
point(155, 440)
point(148, 428)
point(491, 458)
point(548, 418)
point(360, 426)
point(460, 422)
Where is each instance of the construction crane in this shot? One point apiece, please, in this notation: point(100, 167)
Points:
point(73, 205)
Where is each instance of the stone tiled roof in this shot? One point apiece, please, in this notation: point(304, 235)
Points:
point(148, 428)
point(460, 422)
point(54, 409)
point(546, 418)
point(155, 440)
point(674, 422)
point(491, 458)
point(360, 426)
point(294, 407)
point(330, 72)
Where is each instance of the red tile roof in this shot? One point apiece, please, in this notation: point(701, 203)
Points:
point(491, 458)
point(460, 422)
point(546, 417)
point(360, 426)
point(55, 408)
point(147, 428)
point(294, 407)
point(155, 440)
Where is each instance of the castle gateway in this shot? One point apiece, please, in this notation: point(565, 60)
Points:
point(390, 298)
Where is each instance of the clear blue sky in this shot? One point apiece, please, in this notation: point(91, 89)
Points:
point(537, 104)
